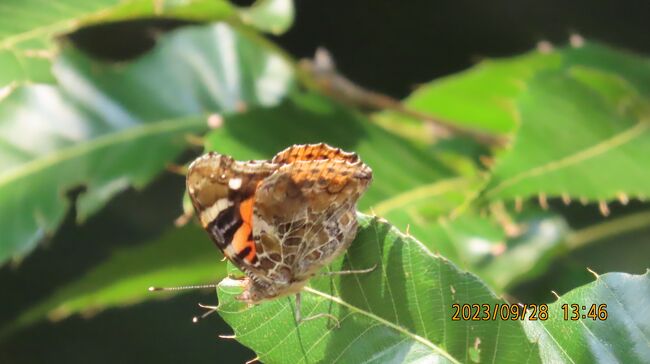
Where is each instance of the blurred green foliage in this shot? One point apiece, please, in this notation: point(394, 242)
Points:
point(456, 221)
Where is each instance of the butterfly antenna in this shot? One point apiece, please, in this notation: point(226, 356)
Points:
point(183, 288)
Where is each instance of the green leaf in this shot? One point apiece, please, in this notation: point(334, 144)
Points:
point(484, 96)
point(309, 118)
point(107, 127)
point(400, 312)
point(526, 254)
point(622, 337)
point(584, 134)
point(412, 198)
point(483, 247)
point(262, 132)
point(274, 16)
point(27, 32)
point(579, 119)
point(500, 253)
point(172, 260)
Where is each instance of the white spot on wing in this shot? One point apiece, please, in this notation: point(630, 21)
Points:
point(234, 183)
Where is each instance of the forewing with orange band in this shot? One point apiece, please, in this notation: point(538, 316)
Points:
point(222, 191)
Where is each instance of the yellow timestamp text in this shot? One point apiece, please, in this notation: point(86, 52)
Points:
point(499, 311)
point(575, 312)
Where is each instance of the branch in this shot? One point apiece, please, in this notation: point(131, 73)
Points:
point(321, 74)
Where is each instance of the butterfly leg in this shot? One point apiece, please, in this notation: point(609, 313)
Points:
point(210, 310)
point(345, 272)
point(300, 319)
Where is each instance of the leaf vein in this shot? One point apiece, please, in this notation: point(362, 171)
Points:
point(580, 156)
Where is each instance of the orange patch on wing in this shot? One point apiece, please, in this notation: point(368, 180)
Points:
point(240, 241)
point(246, 211)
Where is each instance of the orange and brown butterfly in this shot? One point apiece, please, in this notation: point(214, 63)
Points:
point(280, 220)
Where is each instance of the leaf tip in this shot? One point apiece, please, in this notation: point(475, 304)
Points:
point(592, 272)
point(183, 219)
point(543, 202)
point(566, 199)
point(215, 121)
point(604, 209)
point(486, 161)
point(254, 360)
point(241, 106)
point(519, 204)
point(576, 40)
point(8, 89)
point(544, 47)
point(176, 169)
point(372, 212)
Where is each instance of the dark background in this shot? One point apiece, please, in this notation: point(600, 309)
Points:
point(386, 45)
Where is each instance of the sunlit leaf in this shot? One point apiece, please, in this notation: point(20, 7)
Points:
point(401, 312)
point(619, 332)
point(106, 127)
point(275, 16)
point(27, 33)
point(584, 134)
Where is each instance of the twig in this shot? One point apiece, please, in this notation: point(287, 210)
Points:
point(324, 76)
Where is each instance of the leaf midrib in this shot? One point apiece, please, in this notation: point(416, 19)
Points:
point(384, 322)
point(76, 150)
point(593, 151)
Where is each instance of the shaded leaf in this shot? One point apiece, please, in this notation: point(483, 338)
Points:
point(176, 258)
point(622, 337)
point(401, 312)
point(107, 127)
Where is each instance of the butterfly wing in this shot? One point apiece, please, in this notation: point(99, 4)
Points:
point(222, 191)
point(312, 152)
point(279, 221)
point(305, 212)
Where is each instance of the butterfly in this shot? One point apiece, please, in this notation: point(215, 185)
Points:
point(281, 220)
